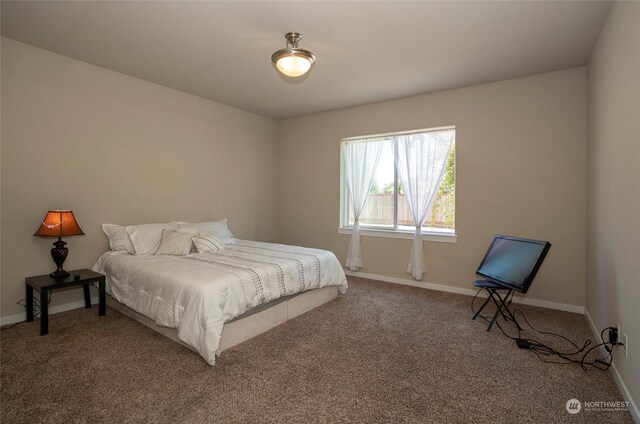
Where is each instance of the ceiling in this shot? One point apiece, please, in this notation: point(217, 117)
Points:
point(366, 51)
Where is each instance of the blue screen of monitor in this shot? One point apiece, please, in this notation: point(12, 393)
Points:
point(511, 261)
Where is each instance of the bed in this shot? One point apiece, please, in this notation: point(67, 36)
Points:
point(249, 286)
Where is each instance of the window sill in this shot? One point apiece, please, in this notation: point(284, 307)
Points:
point(426, 236)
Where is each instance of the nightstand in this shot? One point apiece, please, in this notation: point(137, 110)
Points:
point(45, 283)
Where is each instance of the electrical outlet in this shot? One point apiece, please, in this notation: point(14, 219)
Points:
point(625, 340)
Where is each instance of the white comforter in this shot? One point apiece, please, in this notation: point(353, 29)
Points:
point(198, 293)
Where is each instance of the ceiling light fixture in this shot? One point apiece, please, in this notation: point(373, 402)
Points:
point(292, 61)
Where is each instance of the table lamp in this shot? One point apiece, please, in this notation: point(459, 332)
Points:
point(59, 223)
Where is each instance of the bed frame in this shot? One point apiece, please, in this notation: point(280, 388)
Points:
point(255, 321)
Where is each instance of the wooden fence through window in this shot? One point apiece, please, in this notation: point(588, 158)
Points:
point(378, 210)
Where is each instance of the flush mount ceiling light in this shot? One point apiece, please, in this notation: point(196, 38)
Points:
point(292, 61)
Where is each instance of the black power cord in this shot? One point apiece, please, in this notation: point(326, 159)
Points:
point(544, 351)
point(23, 303)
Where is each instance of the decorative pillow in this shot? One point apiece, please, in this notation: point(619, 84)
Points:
point(146, 238)
point(212, 227)
point(208, 243)
point(118, 238)
point(174, 243)
point(189, 229)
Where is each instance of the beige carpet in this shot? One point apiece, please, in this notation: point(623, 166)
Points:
point(382, 353)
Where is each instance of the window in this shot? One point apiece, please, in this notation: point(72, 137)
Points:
point(386, 210)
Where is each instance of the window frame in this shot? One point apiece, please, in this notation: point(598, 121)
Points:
point(428, 233)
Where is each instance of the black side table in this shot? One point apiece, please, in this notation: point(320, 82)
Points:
point(45, 283)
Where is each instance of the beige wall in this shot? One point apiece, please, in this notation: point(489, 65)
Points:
point(521, 170)
point(613, 254)
point(120, 150)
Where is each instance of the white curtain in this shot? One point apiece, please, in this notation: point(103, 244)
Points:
point(360, 163)
point(421, 160)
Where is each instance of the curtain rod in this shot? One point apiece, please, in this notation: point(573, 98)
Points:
point(424, 130)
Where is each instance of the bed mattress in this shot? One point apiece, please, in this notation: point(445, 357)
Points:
point(197, 294)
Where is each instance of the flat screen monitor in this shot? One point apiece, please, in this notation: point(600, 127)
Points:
point(513, 262)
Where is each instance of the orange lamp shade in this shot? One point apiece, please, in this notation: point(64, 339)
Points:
point(59, 224)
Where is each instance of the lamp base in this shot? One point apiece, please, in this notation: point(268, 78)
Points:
point(59, 274)
point(59, 254)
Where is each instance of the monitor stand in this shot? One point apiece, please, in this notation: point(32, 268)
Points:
point(501, 302)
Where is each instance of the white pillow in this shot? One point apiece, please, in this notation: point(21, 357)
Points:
point(174, 243)
point(118, 238)
point(146, 237)
point(208, 243)
point(187, 228)
point(212, 227)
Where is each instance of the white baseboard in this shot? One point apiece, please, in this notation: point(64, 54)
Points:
point(53, 310)
point(468, 292)
point(633, 408)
